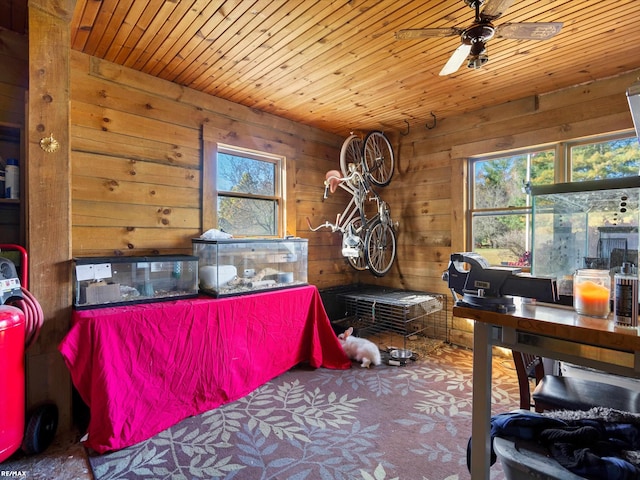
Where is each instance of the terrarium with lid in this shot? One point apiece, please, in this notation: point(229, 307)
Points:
point(238, 266)
point(584, 225)
point(113, 281)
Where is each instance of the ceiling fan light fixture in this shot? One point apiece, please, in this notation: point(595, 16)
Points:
point(478, 47)
point(477, 61)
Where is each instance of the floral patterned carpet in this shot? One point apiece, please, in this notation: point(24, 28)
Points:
point(387, 422)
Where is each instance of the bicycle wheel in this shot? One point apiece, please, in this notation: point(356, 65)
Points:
point(351, 152)
point(380, 248)
point(378, 159)
point(360, 262)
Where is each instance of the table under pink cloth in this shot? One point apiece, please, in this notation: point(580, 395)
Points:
point(143, 368)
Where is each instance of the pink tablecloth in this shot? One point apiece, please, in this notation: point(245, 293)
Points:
point(143, 368)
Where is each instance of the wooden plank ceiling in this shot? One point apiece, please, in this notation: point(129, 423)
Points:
point(337, 65)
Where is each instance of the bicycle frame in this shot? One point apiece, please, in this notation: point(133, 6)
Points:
point(367, 243)
point(357, 187)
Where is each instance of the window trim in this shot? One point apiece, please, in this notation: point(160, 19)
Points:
point(473, 212)
point(568, 145)
point(210, 191)
point(562, 174)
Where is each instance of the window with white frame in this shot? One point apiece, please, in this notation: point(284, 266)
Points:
point(499, 203)
point(248, 192)
point(606, 158)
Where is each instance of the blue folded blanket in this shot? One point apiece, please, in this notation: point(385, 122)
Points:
point(596, 444)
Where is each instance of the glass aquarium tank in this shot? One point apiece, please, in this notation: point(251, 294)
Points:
point(240, 266)
point(113, 281)
point(590, 224)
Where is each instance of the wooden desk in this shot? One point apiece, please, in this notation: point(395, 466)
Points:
point(552, 332)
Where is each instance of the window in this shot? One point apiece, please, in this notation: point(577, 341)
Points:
point(611, 158)
point(500, 207)
point(500, 213)
point(248, 192)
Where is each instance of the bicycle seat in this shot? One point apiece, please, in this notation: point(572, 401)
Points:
point(333, 177)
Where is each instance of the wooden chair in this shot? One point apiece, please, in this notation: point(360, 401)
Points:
point(556, 392)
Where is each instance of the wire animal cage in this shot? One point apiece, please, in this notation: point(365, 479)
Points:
point(384, 315)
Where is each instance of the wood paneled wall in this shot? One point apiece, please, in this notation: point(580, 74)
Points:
point(47, 199)
point(136, 163)
point(136, 166)
point(427, 193)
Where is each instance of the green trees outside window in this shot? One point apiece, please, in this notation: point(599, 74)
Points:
point(248, 193)
point(500, 206)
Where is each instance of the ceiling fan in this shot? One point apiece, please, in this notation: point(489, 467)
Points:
point(474, 38)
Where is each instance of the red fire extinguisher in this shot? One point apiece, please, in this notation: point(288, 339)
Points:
point(12, 411)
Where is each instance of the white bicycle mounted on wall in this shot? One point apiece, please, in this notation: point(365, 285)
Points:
point(368, 243)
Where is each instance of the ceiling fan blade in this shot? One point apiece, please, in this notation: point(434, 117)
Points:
point(411, 34)
point(456, 60)
point(528, 31)
point(494, 9)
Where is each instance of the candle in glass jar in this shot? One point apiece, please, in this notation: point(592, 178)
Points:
point(592, 292)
